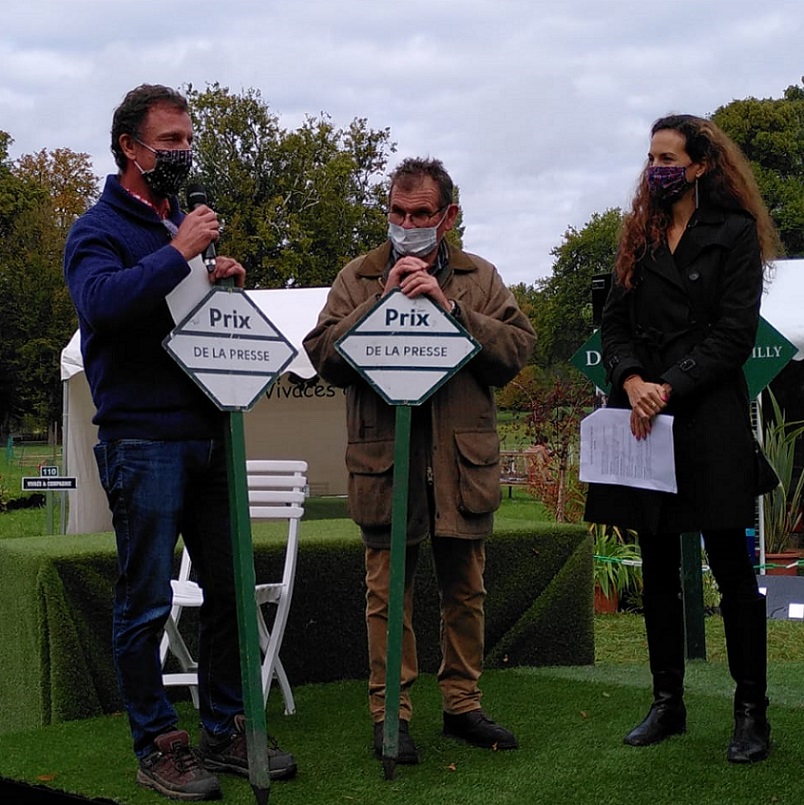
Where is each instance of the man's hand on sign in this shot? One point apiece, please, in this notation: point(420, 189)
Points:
point(411, 276)
point(228, 267)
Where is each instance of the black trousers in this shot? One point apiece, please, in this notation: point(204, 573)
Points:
point(726, 553)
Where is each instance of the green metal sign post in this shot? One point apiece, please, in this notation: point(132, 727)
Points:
point(234, 353)
point(692, 587)
point(405, 349)
point(247, 630)
point(396, 590)
point(770, 355)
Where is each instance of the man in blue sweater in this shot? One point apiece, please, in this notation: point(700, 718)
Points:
point(160, 452)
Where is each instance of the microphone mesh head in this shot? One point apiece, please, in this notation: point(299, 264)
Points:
point(196, 195)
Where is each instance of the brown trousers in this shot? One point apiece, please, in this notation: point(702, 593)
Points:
point(459, 566)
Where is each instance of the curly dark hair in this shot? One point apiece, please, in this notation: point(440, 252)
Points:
point(129, 116)
point(410, 172)
point(728, 183)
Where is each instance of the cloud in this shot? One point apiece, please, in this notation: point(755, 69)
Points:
point(539, 108)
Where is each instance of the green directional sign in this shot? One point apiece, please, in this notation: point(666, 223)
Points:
point(589, 361)
point(770, 355)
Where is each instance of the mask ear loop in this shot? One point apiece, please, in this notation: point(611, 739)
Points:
point(696, 192)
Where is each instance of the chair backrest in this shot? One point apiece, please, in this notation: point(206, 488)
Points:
point(276, 491)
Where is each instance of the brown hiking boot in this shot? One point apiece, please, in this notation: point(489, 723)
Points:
point(174, 771)
point(229, 753)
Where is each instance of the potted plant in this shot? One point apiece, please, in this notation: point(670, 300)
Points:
point(782, 506)
point(617, 566)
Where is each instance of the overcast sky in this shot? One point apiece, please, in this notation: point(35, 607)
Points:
point(539, 110)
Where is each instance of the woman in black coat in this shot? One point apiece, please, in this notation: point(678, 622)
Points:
point(678, 325)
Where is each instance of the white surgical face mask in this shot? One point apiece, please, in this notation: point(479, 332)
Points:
point(417, 242)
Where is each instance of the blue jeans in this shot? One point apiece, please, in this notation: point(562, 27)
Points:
point(157, 490)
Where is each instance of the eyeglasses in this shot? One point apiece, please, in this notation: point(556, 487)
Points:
point(419, 218)
point(160, 150)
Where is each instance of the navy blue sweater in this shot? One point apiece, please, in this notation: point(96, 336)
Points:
point(119, 268)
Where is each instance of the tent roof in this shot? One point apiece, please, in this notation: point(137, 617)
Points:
point(293, 311)
point(783, 301)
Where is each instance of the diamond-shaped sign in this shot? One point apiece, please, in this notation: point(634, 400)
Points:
point(771, 353)
point(230, 349)
point(407, 348)
point(589, 361)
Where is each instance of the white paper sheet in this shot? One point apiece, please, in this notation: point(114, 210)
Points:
point(190, 291)
point(611, 454)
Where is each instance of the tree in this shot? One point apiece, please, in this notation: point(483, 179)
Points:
point(564, 306)
point(13, 200)
point(296, 205)
point(40, 197)
point(554, 425)
point(68, 180)
point(560, 308)
point(770, 131)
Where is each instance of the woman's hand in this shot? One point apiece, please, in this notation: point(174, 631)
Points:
point(647, 400)
point(640, 426)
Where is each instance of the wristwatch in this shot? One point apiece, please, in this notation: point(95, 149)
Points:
point(455, 310)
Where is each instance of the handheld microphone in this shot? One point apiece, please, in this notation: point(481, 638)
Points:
point(196, 196)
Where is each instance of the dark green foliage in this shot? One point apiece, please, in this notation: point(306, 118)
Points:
point(296, 204)
point(325, 636)
point(56, 629)
point(565, 310)
point(40, 197)
point(543, 587)
point(770, 131)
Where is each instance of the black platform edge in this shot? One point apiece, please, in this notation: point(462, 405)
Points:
point(15, 793)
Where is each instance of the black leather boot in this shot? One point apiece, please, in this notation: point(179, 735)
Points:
point(745, 625)
point(664, 625)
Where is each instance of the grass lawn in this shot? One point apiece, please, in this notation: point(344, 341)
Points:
point(570, 722)
point(521, 508)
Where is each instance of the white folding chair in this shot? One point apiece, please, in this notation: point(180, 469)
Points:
point(276, 491)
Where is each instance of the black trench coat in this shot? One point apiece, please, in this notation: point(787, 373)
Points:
point(690, 320)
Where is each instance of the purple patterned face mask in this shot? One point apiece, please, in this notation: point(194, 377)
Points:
point(667, 183)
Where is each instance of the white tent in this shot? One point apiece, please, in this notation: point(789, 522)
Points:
point(293, 420)
point(783, 301)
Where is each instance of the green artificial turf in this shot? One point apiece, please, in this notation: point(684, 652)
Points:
point(570, 722)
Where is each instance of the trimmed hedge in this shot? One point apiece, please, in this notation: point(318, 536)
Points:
point(55, 621)
point(538, 608)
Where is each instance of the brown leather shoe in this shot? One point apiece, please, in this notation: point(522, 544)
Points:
point(174, 771)
point(407, 753)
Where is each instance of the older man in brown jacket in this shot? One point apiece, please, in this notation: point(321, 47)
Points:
point(454, 454)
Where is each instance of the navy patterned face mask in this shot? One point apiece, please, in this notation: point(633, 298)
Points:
point(170, 171)
point(667, 183)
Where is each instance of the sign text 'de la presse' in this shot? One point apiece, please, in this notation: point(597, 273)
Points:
point(407, 348)
point(230, 349)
